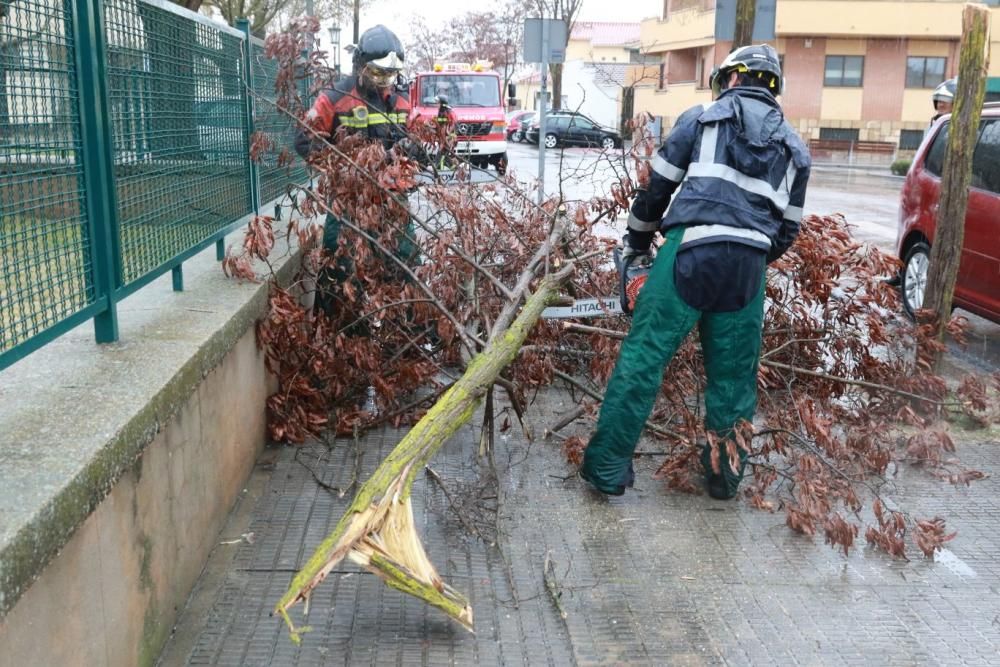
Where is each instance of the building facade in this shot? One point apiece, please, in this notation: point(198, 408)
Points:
point(855, 70)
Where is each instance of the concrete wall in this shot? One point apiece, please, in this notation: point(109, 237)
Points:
point(112, 594)
point(119, 464)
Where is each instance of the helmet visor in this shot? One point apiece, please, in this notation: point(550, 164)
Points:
point(382, 77)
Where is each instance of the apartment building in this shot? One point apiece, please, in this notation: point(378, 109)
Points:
point(855, 70)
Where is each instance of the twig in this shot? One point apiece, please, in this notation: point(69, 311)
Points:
point(585, 328)
point(652, 428)
point(552, 586)
point(469, 526)
point(571, 417)
point(860, 383)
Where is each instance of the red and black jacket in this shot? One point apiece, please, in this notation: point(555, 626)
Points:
point(355, 109)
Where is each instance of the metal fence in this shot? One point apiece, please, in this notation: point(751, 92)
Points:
point(124, 150)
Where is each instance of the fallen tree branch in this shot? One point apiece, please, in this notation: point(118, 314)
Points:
point(552, 586)
point(843, 380)
point(377, 531)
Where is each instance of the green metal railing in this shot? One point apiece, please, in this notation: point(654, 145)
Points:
point(124, 150)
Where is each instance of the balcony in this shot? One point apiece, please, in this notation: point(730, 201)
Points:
point(833, 18)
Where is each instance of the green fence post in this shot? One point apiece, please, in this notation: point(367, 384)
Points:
point(248, 71)
point(96, 141)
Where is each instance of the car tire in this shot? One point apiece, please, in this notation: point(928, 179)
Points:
point(517, 137)
point(914, 284)
point(551, 140)
point(501, 164)
point(608, 143)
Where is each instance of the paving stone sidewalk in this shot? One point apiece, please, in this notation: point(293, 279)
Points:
point(652, 578)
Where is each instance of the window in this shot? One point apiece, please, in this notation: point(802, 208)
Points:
point(838, 133)
point(986, 159)
point(844, 71)
point(924, 72)
point(935, 156)
point(909, 140)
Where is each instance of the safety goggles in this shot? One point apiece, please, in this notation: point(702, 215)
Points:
point(381, 76)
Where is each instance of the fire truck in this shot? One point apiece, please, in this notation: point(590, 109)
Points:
point(474, 93)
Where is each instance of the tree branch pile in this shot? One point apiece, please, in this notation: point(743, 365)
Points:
point(441, 288)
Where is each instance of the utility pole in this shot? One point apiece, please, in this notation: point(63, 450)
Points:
point(544, 70)
point(357, 20)
point(946, 250)
point(746, 11)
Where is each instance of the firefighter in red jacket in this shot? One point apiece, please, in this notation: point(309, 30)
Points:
point(371, 102)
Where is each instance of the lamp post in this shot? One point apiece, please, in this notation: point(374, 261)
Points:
point(335, 46)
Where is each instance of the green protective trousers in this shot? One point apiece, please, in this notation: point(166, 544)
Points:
point(662, 320)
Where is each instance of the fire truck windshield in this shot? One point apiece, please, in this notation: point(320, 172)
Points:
point(462, 90)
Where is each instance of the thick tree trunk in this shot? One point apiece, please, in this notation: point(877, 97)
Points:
point(946, 251)
point(746, 12)
point(556, 72)
point(377, 531)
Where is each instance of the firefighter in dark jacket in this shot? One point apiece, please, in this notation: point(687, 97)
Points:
point(741, 171)
point(372, 103)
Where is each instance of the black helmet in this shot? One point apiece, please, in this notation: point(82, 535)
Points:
point(757, 61)
point(380, 47)
point(945, 92)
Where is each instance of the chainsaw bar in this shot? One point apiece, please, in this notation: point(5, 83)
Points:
point(605, 307)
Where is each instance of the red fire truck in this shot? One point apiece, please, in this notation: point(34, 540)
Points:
point(474, 94)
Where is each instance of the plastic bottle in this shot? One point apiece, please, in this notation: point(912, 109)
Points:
point(371, 407)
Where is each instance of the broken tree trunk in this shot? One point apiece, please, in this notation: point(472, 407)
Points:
point(377, 531)
point(957, 173)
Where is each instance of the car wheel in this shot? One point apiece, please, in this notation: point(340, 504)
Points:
point(608, 143)
point(517, 137)
point(551, 141)
point(501, 164)
point(914, 283)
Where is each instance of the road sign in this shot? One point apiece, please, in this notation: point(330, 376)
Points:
point(533, 39)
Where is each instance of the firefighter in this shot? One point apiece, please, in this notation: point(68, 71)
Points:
point(943, 98)
point(741, 171)
point(370, 102)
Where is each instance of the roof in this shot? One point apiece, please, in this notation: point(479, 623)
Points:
point(606, 33)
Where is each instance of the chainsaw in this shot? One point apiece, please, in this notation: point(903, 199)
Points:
point(632, 275)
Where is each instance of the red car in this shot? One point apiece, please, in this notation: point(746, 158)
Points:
point(978, 287)
point(515, 121)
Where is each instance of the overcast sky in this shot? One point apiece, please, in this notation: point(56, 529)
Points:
point(397, 14)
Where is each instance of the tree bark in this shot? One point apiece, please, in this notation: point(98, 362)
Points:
point(556, 72)
point(377, 531)
point(946, 251)
point(746, 12)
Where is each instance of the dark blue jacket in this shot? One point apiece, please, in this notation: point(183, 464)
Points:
point(742, 172)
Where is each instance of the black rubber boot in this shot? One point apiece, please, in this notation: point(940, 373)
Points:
point(628, 481)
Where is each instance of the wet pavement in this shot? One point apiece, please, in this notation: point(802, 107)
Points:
point(651, 578)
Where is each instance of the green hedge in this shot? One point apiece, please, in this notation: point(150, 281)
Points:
point(900, 167)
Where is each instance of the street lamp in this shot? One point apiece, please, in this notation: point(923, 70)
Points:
point(335, 45)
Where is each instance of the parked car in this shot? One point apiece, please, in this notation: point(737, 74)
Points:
point(568, 128)
point(515, 120)
point(978, 287)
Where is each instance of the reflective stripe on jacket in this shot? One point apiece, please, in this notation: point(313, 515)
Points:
point(742, 172)
point(349, 106)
